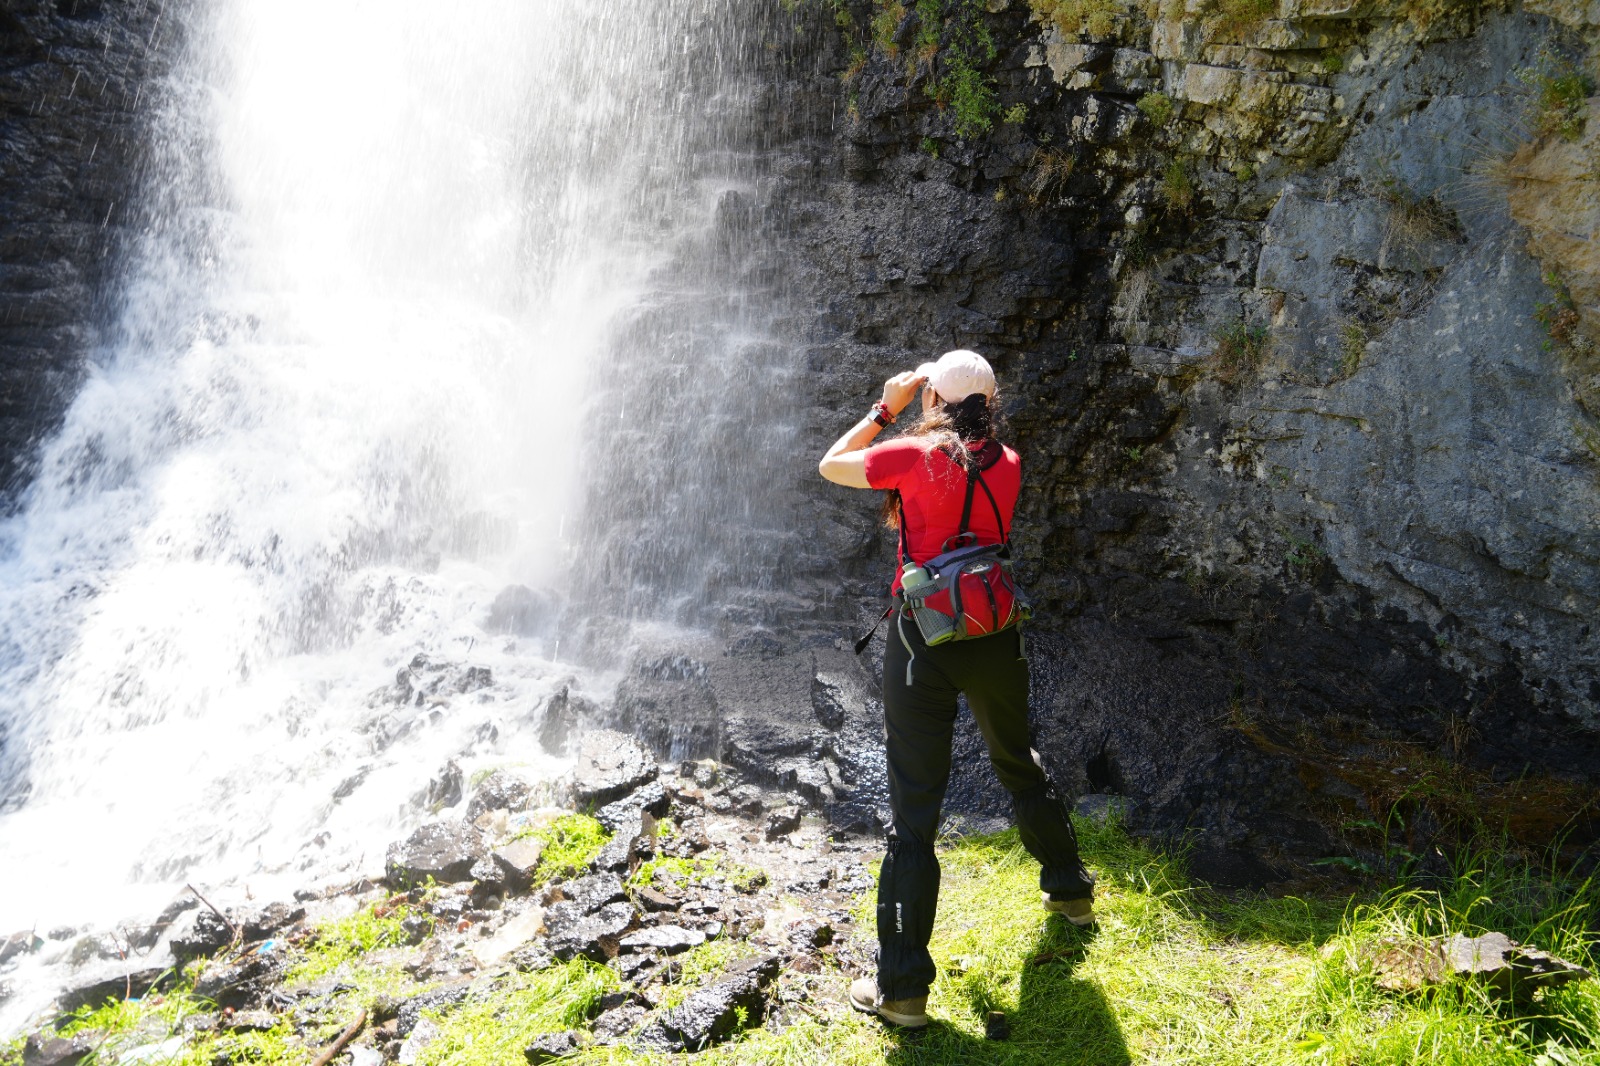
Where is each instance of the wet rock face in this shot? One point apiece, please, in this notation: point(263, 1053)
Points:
point(444, 851)
point(1305, 481)
point(73, 109)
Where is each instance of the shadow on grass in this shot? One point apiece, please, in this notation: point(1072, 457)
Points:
point(1059, 1019)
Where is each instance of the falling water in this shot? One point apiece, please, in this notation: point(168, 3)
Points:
point(421, 296)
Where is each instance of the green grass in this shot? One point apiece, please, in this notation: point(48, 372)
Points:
point(1174, 973)
point(1096, 18)
point(493, 1030)
point(344, 940)
point(570, 843)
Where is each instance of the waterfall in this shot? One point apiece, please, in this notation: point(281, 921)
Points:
point(426, 303)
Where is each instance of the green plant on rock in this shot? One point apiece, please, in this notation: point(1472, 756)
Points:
point(1177, 188)
point(1561, 92)
point(1157, 107)
point(1352, 347)
point(885, 22)
point(493, 1028)
point(958, 34)
point(1241, 349)
point(1094, 18)
point(1235, 18)
point(1332, 61)
point(1305, 556)
point(1016, 115)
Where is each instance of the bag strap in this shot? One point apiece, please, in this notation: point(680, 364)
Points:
point(974, 479)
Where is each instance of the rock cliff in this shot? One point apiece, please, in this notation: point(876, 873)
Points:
point(1291, 305)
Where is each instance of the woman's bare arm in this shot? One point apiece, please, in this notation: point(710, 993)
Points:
point(846, 462)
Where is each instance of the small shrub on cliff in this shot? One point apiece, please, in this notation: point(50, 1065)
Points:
point(1241, 349)
point(965, 46)
point(1157, 107)
point(1177, 188)
point(1560, 97)
point(884, 24)
point(1238, 17)
point(1095, 18)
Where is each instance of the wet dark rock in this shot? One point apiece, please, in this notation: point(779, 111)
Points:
point(667, 701)
point(18, 944)
point(263, 922)
point(563, 713)
point(995, 1026)
point(610, 765)
point(1101, 807)
point(444, 851)
point(164, 923)
point(781, 822)
point(650, 798)
point(200, 932)
point(551, 1047)
point(488, 879)
point(585, 895)
point(500, 791)
point(521, 610)
point(531, 957)
point(667, 939)
point(42, 1049)
point(243, 983)
point(634, 839)
point(596, 937)
point(445, 790)
point(438, 1001)
point(613, 1025)
point(711, 1014)
point(417, 928)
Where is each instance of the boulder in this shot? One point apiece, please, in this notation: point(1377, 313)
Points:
point(712, 1014)
point(596, 937)
point(634, 838)
point(18, 943)
point(588, 894)
point(667, 939)
point(43, 1049)
point(550, 1047)
point(242, 983)
point(500, 791)
point(649, 797)
point(199, 932)
point(260, 923)
point(518, 860)
point(1494, 960)
point(782, 822)
point(116, 980)
point(610, 765)
point(438, 1001)
point(444, 851)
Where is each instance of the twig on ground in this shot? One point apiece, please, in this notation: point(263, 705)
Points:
point(344, 1038)
point(232, 929)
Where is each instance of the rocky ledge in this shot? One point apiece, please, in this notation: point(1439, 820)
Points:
point(686, 905)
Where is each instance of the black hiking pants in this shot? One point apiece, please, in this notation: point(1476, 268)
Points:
point(919, 723)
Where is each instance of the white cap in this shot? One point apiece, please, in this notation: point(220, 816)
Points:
point(959, 374)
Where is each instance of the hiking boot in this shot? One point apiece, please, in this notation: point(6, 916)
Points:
point(911, 1013)
point(1080, 912)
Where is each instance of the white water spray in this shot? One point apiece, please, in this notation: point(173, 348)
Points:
point(388, 247)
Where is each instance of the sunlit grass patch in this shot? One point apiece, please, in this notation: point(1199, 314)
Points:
point(344, 940)
point(494, 1029)
point(570, 843)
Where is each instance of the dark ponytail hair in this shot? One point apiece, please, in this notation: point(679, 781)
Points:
point(951, 427)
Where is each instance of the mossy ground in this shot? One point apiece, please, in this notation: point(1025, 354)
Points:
point(1173, 973)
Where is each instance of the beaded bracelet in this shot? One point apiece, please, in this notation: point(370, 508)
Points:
point(881, 414)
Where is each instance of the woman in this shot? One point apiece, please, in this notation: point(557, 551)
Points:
point(925, 473)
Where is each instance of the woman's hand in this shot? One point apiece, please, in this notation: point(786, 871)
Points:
point(900, 390)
